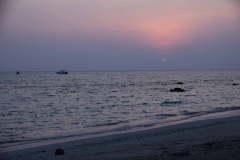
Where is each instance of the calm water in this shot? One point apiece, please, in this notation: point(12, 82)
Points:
point(43, 106)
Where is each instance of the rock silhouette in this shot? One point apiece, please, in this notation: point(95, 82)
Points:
point(177, 90)
point(59, 151)
point(180, 83)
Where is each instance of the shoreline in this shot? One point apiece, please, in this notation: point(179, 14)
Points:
point(184, 140)
point(76, 138)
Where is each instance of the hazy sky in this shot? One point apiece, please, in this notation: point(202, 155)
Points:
point(97, 35)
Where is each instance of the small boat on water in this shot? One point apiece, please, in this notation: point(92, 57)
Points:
point(18, 72)
point(62, 72)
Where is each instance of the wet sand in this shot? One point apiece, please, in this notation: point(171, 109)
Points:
point(205, 139)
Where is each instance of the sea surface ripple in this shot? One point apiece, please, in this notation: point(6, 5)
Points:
point(42, 106)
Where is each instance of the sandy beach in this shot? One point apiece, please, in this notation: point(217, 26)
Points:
point(205, 139)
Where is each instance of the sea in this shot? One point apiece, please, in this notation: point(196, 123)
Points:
point(45, 107)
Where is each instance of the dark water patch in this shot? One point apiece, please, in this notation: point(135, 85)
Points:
point(111, 106)
point(123, 85)
point(144, 125)
point(196, 103)
point(107, 124)
point(144, 111)
point(125, 113)
point(171, 103)
point(50, 95)
point(158, 82)
point(18, 122)
point(166, 83)
point(185, 112)
point(93, 91)
point(73, 91)
point(156, 89)
point(216, 110)
point(14, 111)
point(45, 93)
point(190, 95)
point(210, 80)
point(13, 141)
point(221, 109)
point(112, 117)
point(74, 123)
point(112, 96)
point(23, 87)
point(165, 115)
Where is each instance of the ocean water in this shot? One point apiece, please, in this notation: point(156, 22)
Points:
point(43, 106)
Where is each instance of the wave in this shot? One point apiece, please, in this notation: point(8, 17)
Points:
point(216, 110)
point(106, 124)
point(221, 109)
point(185, 112)
point(165, 115)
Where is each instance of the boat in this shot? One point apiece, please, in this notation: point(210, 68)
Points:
point(18, 72)
point(62, 72)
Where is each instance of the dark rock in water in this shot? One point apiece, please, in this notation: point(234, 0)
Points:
point(180, 83)
point(59, 151)
point(234, 84)
point(177, 90)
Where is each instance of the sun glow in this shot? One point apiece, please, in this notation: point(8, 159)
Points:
point(164, 32)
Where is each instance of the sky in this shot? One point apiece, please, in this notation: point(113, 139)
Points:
point(119, 35)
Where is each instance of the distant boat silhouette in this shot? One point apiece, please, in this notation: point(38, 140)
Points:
point(18, 72)
point(62, 72)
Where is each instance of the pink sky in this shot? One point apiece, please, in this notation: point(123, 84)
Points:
point(158, 25)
